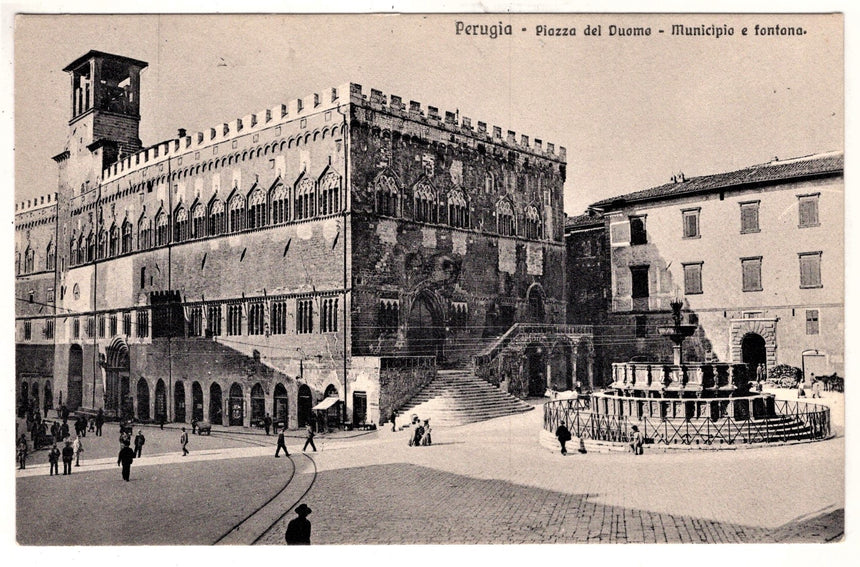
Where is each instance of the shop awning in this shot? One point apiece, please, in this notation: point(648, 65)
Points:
point(326, 403)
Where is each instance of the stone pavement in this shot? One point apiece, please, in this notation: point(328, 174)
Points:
point(488, 482)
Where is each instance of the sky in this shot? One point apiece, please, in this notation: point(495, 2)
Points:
point(631, 111)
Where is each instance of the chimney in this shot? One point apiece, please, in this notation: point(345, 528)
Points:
point(181, 133)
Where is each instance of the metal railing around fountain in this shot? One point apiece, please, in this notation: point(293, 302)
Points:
point(792, 421)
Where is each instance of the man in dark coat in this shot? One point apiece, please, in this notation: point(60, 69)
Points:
point(64, 430)
point(64, 412)
point(309, 438)
point(126, 457)
point(267, 423)
point(68, 455)
point(281, 444)
point(139, 440)
point(54, 460)
point(299, 529)
point(100, 420)
point(563, 435)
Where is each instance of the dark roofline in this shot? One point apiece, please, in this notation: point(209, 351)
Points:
point(623, 200)
point(94, 53)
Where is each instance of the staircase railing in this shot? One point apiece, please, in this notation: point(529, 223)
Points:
point(498, 345)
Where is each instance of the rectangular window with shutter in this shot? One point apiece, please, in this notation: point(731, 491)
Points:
point(691, 223)
point(693, 278)
point(638, 234)
point(807, 207)
point(751, 268)
point(812, 321)
point(749, 217)
point(810, 269)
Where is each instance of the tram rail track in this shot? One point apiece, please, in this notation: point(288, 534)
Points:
point(265, 518)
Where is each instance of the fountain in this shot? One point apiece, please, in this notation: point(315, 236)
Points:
point(704, 404)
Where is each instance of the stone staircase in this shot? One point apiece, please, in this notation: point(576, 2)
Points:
point(457, 397)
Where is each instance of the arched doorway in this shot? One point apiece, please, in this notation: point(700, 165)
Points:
point(116, 368)
point(258, 404)
point(237, 405)
point(179, 402)
point(753, 351)
point(142, 400)
point(24, 399)
point(281, 406)
point(34, 394)
point(330, 391)
point(216, 405)
point(49, 398)
point(536, 304)
point(561, 376)
point(75, 394)
point(196, 401)
point(535, 367)
point(425, 328)
point(160, 401)
point(305, 403)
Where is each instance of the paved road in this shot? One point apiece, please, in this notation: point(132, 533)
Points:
point(483, 483)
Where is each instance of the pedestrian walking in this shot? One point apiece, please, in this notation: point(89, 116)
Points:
point(299, 529)
point(309, 439)
point(426, 439)
point(267, 423)
point(184, 440)
point(415, 441)
point(84, 426)
point(636, 440)
point(126, 457)
point(54, 460)
point(801, 389)
point(68, 455)
point(100, 420)
point(282, 445)
point(816, 387)
point(79, 448)
point(22, 452)
point(393, 420)
point(562, 433)
point(139, 440)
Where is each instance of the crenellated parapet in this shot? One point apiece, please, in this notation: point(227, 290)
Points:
point(454, 123)
point(295, 109)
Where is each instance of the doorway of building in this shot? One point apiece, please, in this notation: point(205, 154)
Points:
point(34, 394)
point(142, 400)
point(536, 304)
point(237, 405)
point(117, 379)
point(49, 398)
point(535, 367)
point(160, 401)
point(281, 407)
point(425, 333)
point(75, 395)
point(196, 401)
point(258, 405)
point(359, 408)
point(753, 352)
point(179, 402)
point(216, 405)
point(305, 403)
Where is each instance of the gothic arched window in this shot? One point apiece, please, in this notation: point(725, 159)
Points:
point(458, 209)
point(426, 206)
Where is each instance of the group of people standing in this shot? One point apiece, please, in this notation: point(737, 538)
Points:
point(421, 437)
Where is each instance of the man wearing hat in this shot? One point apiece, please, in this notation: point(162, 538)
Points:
point(68, 455)
point(299, 529)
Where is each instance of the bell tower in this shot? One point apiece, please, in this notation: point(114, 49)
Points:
point(105, 104)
